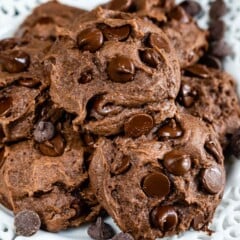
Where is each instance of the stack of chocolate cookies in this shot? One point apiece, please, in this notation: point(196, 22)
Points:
point(122, 110)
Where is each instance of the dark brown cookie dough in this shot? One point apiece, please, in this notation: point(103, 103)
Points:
point(114, 67)
point(164, 186)
point(211, 94)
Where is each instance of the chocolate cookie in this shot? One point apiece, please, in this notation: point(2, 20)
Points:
point(164, 186)
point(114, 67)
point(211, 94)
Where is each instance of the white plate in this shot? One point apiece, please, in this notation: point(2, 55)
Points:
point(226, 223)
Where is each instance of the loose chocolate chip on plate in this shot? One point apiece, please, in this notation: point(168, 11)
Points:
point(121, 69)
point(179, 14)
point(217, 29)
point(150, 57)
point(218, 9)
point(177, 162)
point(15, 62)
point(235, 144)
point(5, 104)
point(156, 185)
point(211, 61)
point(54, 147)
point(198, 70)
point(90, 39)
point(44, 131)
point(157, 41)
point(192, 8)
point(27, 223)
point(213, 179)
point(123, 5)
point(171, 129)
point(165, 218)
point(120, 167)
point(100, 230)
point(211, 148)
point(138, 125)
point(123, 236)
point(220, 49)
point(187, 95)
point(86, 77)
point(116, 33)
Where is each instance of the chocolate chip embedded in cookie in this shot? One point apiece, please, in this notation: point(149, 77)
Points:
point(170, 181)
point(128, 78)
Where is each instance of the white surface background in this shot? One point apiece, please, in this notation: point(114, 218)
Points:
point(227, 218)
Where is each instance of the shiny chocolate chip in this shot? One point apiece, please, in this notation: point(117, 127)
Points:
point(165, 218)
point(218, 9)
point(157, 41)
point(5, 104)
point(116, 33)
point(86, 77)
point(211, 148)
point(213, 179)
point(156, 185)
point(150, 57)
point(15, 62)
point(211, 61)
point(121, 166)
point(27, 223)
point(170, 130)
point(217, 29)
point(179, 14)
point(121, 69)
point(198, 70)
point(90, 39)
point(54, 147)
point(123, 5)
point(28, 82)
point(187, 95)
point(191, 7)
point(138, 125)
point(177, 162)
point(44, 131)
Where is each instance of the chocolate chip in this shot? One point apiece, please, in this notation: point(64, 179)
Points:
point(211, 148)
point(121, 69)
point(138, 125)
point(5, 104)
point(198, 70)
point(187, 95)
point(100, 230)
point(151, 57)
point(86, 77)
point(28, 82)
point(123, 236)
point(120, 167)
point(192, 8)
point(90, 39)
point(198, 222)
point(2, 151)
point(54, 147)
point(123, 5)
point(165, 218)
point(177, 162)
point(27, 223)
point(179, 14)
point(156, 185)
point(116, 33)
point(234, 145)
point(43, 131)
point(157, 41)
point(220, 49)
point(15, 62)
point(171, 129)
point(211, 62)
point(217, 29)
point(213, 179)
point(218, 9)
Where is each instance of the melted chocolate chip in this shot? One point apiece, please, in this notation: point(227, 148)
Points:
point(217, 30)
point(156, 185)
point(220, 49)
point(121, 69)
point(15, 62)
point(116, 33)
point(86, 77)
point(100, 230)
point(191, 7)
point(177, 162)
point(123, 5)
point(213, 179)
point(170, 130)
point(27, 223)
point(211, 148)
point(122, 166)
point(138, 125)
point(123, 236)
point(235, 144)
point(198, 70)
point(157, 41)
point(54, 147)
point(5, 104)
point(165, 218)
point(28, 82)
point(44, 131)
point(218, 9)
point(187, 95)
point(150, 57)
point(90, 39)
point(179, 14)
point(211, 62)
